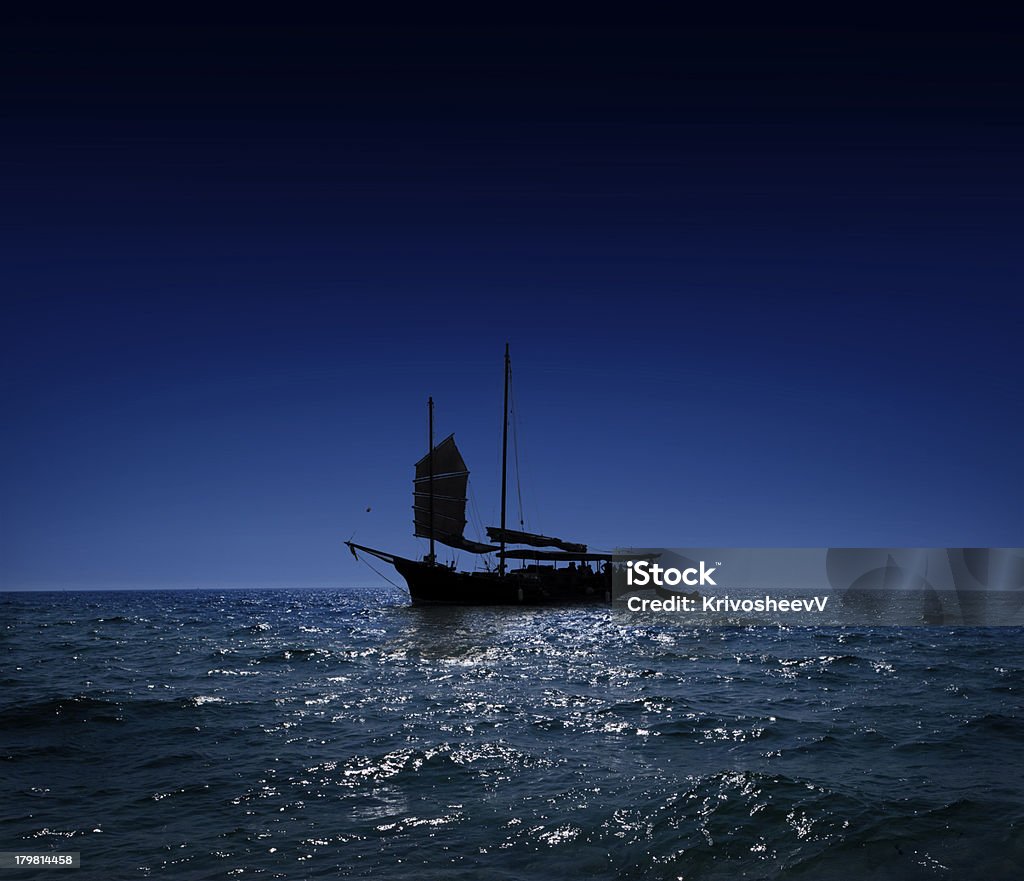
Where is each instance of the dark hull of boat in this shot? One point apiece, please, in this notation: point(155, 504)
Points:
point(440, 586)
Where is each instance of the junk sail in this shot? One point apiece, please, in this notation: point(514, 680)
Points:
point(444, 516)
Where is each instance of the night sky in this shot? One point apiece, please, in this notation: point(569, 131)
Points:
point(761, 280)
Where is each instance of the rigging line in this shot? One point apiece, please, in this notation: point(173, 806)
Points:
point(478, 523)
point(474, 512)
point(496, 465)
point(381, 574)
point(515, 449)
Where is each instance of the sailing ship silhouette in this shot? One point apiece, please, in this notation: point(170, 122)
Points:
point(439, 515)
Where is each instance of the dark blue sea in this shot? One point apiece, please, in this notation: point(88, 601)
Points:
point(342, 733)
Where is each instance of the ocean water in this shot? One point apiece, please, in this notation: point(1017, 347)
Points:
point(309, 734)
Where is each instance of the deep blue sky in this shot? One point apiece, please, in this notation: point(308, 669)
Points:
point(761, 278)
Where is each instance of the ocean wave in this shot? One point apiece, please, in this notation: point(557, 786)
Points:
point(86, 710)
point(74, 709)
point(287, 655)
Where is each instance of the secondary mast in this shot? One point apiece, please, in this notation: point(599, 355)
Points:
point(504, 463)
point(430, 457)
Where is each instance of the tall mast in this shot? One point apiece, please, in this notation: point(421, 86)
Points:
point(430, 459)
point(504, 462)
